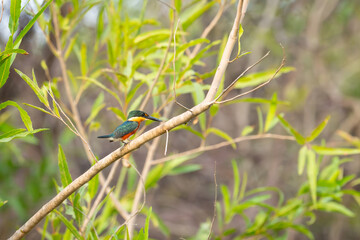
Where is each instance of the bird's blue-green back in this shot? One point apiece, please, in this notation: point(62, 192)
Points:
point(125, 128)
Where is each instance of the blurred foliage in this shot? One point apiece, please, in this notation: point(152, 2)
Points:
point(107, 69)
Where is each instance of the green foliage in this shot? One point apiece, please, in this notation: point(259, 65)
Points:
point(108, 71)
point(8, 56)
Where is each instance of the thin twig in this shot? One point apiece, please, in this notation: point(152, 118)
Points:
point(261, 85)
point(99, 197)
point(2, 10)
point(222, 144)
point(174, 67)
point(209, 28)
point(215, 200)
point(167, 141)
point(140, 208)
point(242, 74)
point(161, 68)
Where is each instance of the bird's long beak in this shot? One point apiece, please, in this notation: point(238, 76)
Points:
point(152, 118)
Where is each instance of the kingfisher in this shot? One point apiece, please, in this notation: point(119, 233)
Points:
point(129, 127)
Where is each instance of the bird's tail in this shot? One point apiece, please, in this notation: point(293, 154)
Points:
point(105, 136)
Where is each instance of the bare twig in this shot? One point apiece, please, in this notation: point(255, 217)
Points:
point(161, 68)
point(99, 197)
point(167, 141)
point(142, 205)
point(209, 28)
point(174, 67)
point(215, 200)
point(2, 10)
point(242, 74)
point(261, 85)
point(222, 144)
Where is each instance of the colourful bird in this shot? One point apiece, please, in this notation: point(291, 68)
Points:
point(129, 127)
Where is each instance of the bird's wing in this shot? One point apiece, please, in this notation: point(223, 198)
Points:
point(126, 129)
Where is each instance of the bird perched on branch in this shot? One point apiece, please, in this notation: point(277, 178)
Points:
point(129, 127)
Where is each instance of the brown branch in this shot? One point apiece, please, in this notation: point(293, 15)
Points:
point(220, 72)
point(222, 144)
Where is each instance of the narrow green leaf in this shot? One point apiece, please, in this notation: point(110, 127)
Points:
point(247, 130)
point(243, 186)
point(147, 223)
point(335, 151)
point(118, 112)
point(227, 204)
point(188, 17)
point(214, 109)
point(15, 8)
point(56, 109)
point(99, 84)
point(289, 207)
point(255, 79)
point(271, 112)
point(223, 135)
point(132, 92)
point(335, 207)
point(300, 139)
point(154, 176)
point(312, 173)
point(6, 63)
point(2, 203)
point(146, 36)
point(96, 108)
point(159, 224)
point(198, 96)
point(259, 221)
point(38, 108)
point(70, 47)
point(185, 169)
point(303, 230)
point(7, 53)
point(83, 60)
point(316, 132)
point(17, 133)
point(31, 23)
point(63, 167)
point(236, 188)
point(34, 86)
point(178, 5)
point(260, 120)
point(302, 160)
point(69, 225)
point(23, 114)
point(188, 128)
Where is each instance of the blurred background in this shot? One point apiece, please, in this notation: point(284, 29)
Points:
point(321, 40)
